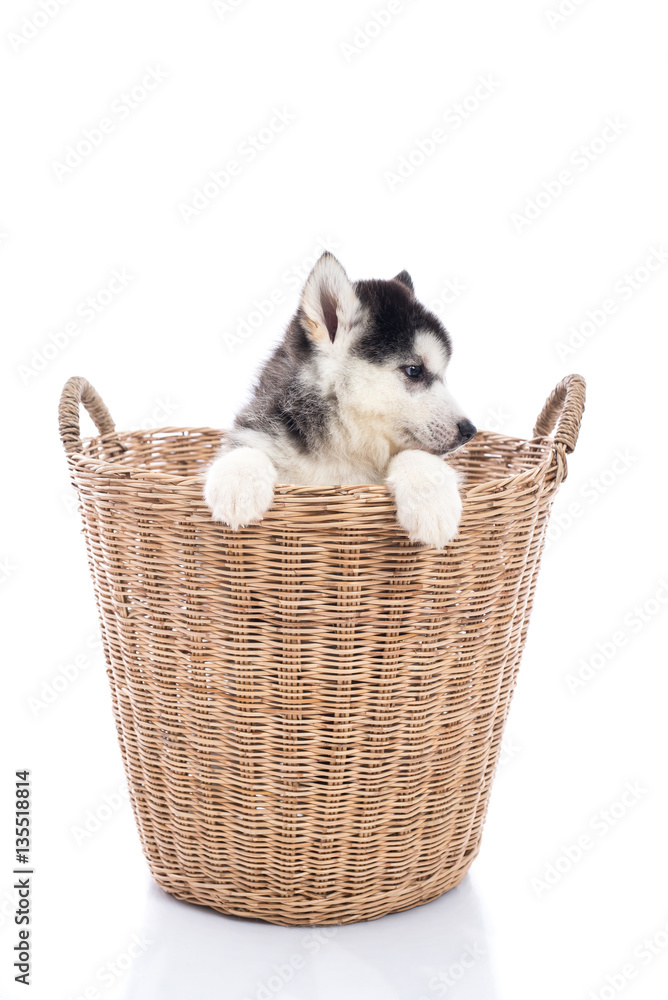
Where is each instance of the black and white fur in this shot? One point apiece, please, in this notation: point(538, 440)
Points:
point(355, 393)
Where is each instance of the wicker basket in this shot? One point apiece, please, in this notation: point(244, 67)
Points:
point(309, 710)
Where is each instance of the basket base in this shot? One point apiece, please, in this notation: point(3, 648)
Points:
point(296, 911)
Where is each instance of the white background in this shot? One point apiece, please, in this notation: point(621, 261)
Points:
point(160, 353)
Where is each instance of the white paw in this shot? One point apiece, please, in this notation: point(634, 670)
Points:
point(239, 487)
point(426, 493)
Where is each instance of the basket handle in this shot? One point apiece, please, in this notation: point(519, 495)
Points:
point(78, 390)
point(563, 408)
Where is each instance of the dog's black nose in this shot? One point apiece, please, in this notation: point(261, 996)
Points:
point(467, 430)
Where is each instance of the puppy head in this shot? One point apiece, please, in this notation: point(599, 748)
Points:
point(383, 357)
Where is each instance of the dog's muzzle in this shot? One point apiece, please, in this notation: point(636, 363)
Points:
point(467, 430)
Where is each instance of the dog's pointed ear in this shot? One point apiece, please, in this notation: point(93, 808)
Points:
point(328, 304)
point(405, 279)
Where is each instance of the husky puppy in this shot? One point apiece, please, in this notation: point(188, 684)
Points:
point(355, 393)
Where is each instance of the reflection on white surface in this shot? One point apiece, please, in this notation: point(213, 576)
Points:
point(431, 951)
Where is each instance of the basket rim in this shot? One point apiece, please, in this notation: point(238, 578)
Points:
point(546, 452)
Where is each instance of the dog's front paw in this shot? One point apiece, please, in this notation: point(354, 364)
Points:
point(239, 487)
point(426, 493)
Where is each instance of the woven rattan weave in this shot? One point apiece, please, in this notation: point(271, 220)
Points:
point(309, 710)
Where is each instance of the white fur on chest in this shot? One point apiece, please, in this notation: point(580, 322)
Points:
point(340, 463)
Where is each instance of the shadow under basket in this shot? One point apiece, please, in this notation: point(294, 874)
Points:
point(310, 710)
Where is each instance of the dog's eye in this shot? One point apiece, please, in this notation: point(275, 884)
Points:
point(414, 371)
